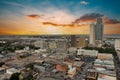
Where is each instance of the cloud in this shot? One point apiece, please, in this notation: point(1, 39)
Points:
point(111, 21)
point(64, 19)
point(84, 2)
point(34, 16)
point(54, 24)
point(56, 18)
point(91, 17)
point(54, 21)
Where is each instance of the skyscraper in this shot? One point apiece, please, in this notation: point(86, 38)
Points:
point(92, 33)
point(96, 32)
point(99, 29)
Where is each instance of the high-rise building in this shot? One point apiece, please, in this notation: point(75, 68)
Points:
point(92, 33)
point(99, 29)
point(96, 32)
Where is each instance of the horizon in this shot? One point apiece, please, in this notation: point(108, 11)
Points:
point(55, 17)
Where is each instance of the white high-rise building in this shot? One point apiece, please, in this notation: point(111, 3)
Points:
point(92, 33)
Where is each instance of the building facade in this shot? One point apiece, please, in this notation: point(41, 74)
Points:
point(73, 40)
point(117, 47)
point(81, 42)
point(96, 32)
point(117, 44)
point(99, 29)
point(92, 33)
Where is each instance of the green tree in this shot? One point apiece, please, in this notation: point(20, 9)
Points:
point(15, 76)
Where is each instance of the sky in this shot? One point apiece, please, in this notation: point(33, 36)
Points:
point(47, 17)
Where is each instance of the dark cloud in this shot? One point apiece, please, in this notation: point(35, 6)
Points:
point(88, 17)
point(91, 16)
point(112, 21)
point(34, 16)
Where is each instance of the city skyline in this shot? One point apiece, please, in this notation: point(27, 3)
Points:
point(37, 17)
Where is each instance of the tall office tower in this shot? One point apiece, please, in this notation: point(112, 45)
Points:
point(73, 40)
point(99, 29)
point(92, 34)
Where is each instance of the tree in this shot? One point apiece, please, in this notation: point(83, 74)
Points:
point(15, 76)
point(101, 50)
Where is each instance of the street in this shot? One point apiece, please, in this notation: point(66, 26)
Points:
point(117, 64)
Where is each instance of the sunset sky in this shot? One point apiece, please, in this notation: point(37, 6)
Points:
point(31, 17)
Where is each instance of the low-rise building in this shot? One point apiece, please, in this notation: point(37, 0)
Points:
point(117, 44)
point(12, 70)
point(103, 56)
point(84, 52)
point(91, 75)
point(105, 77)
point(105, 66)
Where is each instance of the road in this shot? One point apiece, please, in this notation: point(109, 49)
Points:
point(81, 74)
point(117, 64)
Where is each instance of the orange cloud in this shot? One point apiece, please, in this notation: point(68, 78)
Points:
point(56, 18)
point(51, 21)
point(53, 24)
